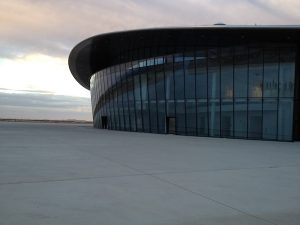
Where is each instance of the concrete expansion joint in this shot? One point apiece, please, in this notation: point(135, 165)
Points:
point(214, 200)
point(153, 175)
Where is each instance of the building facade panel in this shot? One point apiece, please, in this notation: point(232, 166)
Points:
point(236, 91)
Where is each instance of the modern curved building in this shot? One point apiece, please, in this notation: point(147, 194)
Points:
point(220, 81)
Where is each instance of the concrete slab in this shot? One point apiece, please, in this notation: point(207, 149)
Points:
point(123, 200)
point(270, 193)
point(74, 174)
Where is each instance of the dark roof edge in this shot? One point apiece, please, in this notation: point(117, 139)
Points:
point(85, 45)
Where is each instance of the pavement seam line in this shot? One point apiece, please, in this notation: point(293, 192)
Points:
point(192, 192)
point(70, 179)
point(213, 200)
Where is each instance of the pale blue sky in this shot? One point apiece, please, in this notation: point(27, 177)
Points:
point(37, 36)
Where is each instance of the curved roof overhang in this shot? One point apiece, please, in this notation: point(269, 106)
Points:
point(105, 50)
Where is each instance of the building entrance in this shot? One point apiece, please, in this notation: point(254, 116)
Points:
point(255, 127)
point(226, 126)
point(104, 122)
point(171, 125)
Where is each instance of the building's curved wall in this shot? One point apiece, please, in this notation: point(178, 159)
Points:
point(232, 91)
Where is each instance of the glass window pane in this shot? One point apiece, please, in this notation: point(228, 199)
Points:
point(240, 81)
point(240, 72)
point(201, 74)
point(121, 111)
point(240, 117)
point(125, 103)
point(191, 124)
point(117, 119)
point(122, 71)
point(255, 73)
point(132, 115)
point(110, 114)
point(139, 119)
point(137, 88)
point(161, 116)
point(160, 85)
point(189, 67)
point(169, 78)
point(227, 118)
point(119, 103)
point(226, 73)
point(213, 74)
point(153, 116)
point(287, 72)
point(170, 108)
point(105, 99)
point(126, 113)
point(146, 116)
point(214, 118)
point(255, 118)
point(151, 85)
point(179, 78)
point(285, 119)
point(270, 118)
point(180, 117)
point(202, 117)
point(130, 88)
point(144, 86)
point(271, 67)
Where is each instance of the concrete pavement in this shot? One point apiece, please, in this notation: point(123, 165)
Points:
point(74, 174)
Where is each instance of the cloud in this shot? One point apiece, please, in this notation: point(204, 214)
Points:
point(39, 72)
point(54, 27)
point(38, 35)
point(28, 105)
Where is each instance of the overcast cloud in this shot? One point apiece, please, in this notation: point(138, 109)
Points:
point(38, 35)
point(54, 27)
point(35, 105)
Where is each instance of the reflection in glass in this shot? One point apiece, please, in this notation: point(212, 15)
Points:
point(170, 108)
point(201, 74)
point(161, 114)
point(180, 117)
point(160, 85)
point(151, 85)
point(270, 118)
point(226, 73)
point(179, 78)
point(287, 72)
point(285, 122)
point(240, 91)
point(255, 118)
point(213, 74)
point(240, 81)
point(227, 118)
point(240, 117)
point(169, 79)
point(202, 117)
point(189, 74)
point(214, 117)
point(191, 126)
point(271, 67)
point(240, 72)
point(139, 119)
point(146, 116)
point(255, 73)
point(153, 116)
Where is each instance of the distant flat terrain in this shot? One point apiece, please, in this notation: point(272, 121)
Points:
point(45, 121)
point(72, 174)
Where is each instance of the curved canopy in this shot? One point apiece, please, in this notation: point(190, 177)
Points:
point(105, 50)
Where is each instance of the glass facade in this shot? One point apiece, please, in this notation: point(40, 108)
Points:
point(233, 91)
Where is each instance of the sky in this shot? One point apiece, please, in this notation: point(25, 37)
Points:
point(38, 35)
